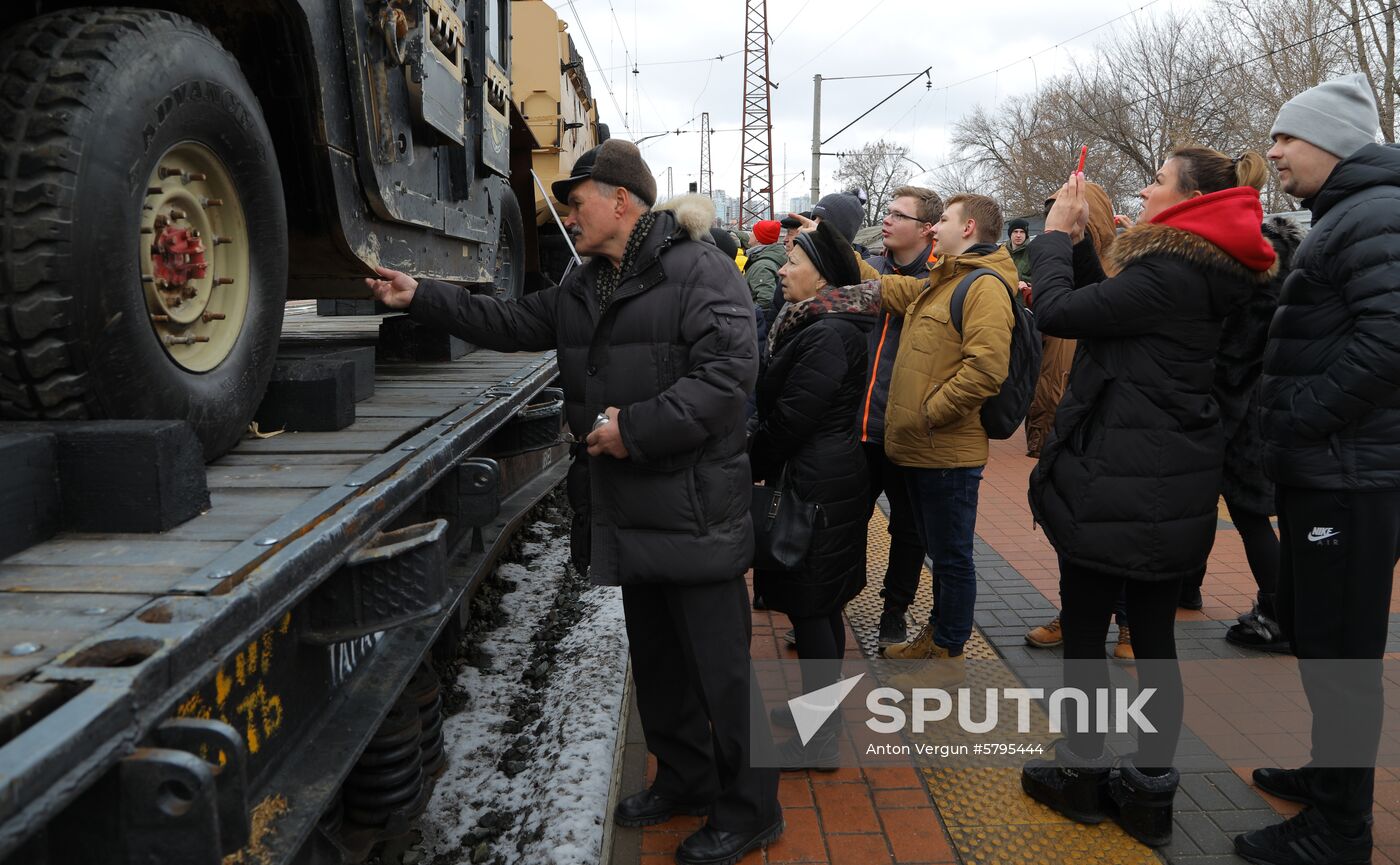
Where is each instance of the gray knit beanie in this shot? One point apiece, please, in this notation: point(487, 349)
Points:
point(1339, 116)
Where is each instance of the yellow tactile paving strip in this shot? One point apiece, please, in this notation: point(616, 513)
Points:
point(989, 819)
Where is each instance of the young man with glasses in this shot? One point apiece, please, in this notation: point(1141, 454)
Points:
point(907, 230)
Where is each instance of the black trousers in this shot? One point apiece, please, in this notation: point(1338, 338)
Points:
point(1088, 598)
point(690, 665)
point(1261, 550)
point(906, 550)
point(1339, 556)
point(820, 638)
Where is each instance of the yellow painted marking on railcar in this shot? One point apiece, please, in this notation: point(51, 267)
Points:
point(242, 698)
point(222, 686)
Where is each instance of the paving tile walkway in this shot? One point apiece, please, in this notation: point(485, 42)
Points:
point(903, 816)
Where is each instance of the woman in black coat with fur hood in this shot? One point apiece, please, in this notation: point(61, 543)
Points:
point(1126, 486)
point(809, 392)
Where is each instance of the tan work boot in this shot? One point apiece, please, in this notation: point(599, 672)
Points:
point(1124, 650)
point(920, 647)
point(1047, 635)
point(937, 669)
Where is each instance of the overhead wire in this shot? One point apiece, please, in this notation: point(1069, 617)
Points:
point(607, 84)
point(844, 33)
point(1208, 76)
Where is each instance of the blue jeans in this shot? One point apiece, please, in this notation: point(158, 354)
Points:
point(945, 512)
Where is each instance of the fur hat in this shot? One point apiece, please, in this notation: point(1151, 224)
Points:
point(616, 163)
point(831, 254)
point(844, 210)
point(767, 231)
point(1339, 116)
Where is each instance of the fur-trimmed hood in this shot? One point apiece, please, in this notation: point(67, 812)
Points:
point(1221, 230)
point(1286, 236)
point(694, 212)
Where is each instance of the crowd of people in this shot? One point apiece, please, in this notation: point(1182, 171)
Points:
point(1199, 353)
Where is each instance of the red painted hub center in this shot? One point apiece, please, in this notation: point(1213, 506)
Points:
point(177, 256)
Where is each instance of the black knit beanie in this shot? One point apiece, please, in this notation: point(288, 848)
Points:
point(831, 254)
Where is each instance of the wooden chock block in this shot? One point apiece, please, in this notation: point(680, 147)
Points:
point(125, 475)
point(403, 339)
point(31, 507)
point(362, 356)
point(316, 395)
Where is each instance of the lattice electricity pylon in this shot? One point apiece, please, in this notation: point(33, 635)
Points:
point(705, 153)
point(756, 172)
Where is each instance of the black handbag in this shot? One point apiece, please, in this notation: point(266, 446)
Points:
point(783, 525)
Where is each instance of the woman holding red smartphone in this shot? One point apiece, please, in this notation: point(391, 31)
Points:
point(1126, 486)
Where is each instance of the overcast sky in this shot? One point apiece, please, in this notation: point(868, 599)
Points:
point(832, 38)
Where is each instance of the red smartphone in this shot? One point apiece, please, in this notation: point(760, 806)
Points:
point(1083, 152)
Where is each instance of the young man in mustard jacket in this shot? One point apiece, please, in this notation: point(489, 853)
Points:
point(944, 371)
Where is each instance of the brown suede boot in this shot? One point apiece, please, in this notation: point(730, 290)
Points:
point(1046, 636)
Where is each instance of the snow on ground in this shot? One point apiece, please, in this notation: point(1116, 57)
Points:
point(530, 758)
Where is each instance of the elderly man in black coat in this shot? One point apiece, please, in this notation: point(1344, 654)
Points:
point(656, 333)
point(1331, 422)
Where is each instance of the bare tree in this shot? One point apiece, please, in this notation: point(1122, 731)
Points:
point(1372, 48)
point(1216, 81)
point(879, 168)
point(959, 175)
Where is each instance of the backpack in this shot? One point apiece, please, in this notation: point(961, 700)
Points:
point(1003, 413)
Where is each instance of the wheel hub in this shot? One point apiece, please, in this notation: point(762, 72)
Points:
point(195, 257)
point(177, 258)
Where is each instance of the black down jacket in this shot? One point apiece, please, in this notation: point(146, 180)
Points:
point(808, 396)
point(882, 348)
point(1237, 369)
point(1128, 482)
point(1331, 387)
point(676, 351)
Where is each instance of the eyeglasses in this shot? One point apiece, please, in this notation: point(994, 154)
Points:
point(895, 214)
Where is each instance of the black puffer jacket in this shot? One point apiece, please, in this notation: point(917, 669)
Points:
point(1128, 481)
point(808, 396)
point(676, 351)
point(883, 346)
point(1238, 366)
point(1331, 388)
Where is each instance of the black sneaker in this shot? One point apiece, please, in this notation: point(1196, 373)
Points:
point(893, 628)
point(1259, 632)
point(1304, 840)
point(1290, 784)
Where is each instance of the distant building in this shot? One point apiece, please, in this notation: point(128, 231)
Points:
point(721, 200)
point(799, 204)
point(731, 212)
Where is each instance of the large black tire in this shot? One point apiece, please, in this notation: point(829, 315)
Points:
point(509, 282)
point(90, 102)
point(554, 256)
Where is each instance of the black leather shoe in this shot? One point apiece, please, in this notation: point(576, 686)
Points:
point(711, 846)
point(647, 809)
point(1290, 784)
